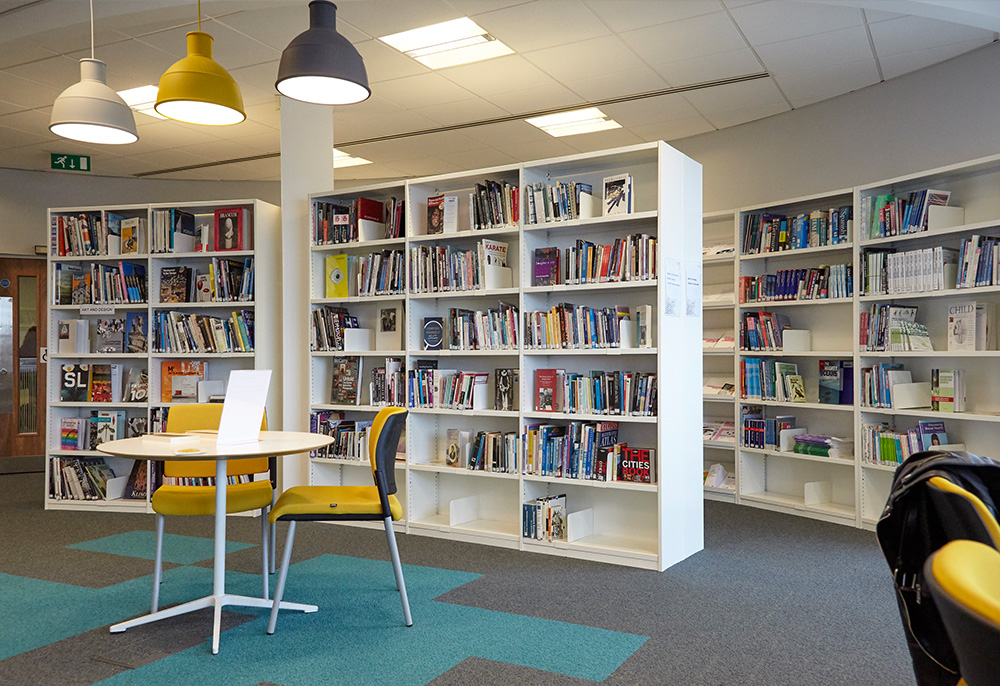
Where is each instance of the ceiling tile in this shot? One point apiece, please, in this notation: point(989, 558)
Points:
point(542, 149)
point(812, 52)
point(721, 65)
point(27, 93)
point(745, 114)
point(244, 171)
point(368, 173)
point(470, 8)
point(637, 14)
point(422, 90)
point(132, 63)
point(259, 76)
point(21, 51)
point(443, 143)
point(602, 140)
point(639, 80)
point(32, 121)
point(225, 150)
point(384, 17)
point(759, 93)
point(873, 16)
point(912, 34)
point(775, 20)
point(229, 48)
point(530, 27)
point(536, 99)
point(422, 166)
point(478, 159)
point(13, 138)
point(269, 140)
point(168, 159)
point(462, 112)
point(501, 75)
point(381, 125)
point(274, 27)
point(673, 130)
point(57, 71)
point(265, 113)
point(638, 112)
point(122, 166)
point(695, 37)
point(896, 65)
point(166, 133)
point(595, 57)
point(383, 63)
point(8, 107)
point(500, 135)
point(383, 151)
point(805, 87)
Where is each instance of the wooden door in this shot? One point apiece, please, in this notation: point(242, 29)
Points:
point(22, 367)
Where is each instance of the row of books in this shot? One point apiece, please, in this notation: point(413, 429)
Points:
point(887, 215)
point(178, 231)
point(598, 392)
point(350, 436)
point(892, 327)
point(184, 332)
point(577, 326)
point(563, 201)
point(769, 379)
point(494, 329)
point(762, 331)
point(328, 324)
point(816, 283)
point(112, 335)
point(378, 273)
point(719, 430)
point(880, 444)
point(979, 262)
point(102, 383)
point(494, 204)
point(761, 432)
point(361, 219)
point(81, 478)
point(911, 271)
point(632, 258)
point(762, 233)
point(488, 451)
point(545, 518)
point(225, 281)
point(388, 384)
point(101, 426)
point(121, 283)
point(448, 388)
point(441, 268)
point(588, 451)
point(231, 479)
point(95, 233)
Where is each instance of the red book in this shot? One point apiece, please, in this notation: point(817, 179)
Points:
point(369, 209)
point(548, 390)
point(230, 227)
point(638, 465)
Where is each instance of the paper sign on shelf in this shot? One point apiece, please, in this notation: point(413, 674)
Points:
point(243, 409)
point(673, 287)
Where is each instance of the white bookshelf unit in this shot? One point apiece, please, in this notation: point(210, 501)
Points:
point(263, 238)
point(651, 525)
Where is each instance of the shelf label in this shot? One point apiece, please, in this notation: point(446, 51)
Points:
point(672, 287)
point(692, 271)
point(97, 309)
point(70, 162)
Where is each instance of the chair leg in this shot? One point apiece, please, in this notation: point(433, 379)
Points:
point(397, 568)
point(274, 534)
point(264, 544)
point(158, 562)
point(279, 589)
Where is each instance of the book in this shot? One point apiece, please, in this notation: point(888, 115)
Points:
point(548, 390)
point(81, 294)
point(174, 368)
point(131, 239)
point(644, 326)
point(931, 433)
point(506, 391)
point(137, 487)
point(110, 336)
point(437, 206)
point(232, 229)
point(337, 285)
point(962, 326)
point(100, 388)
point(184, 389)
point(175, 284)
point(185, 235)
point(948, 390)
point(617, 194)
point(135, 332)
point(638, 465)
point(389, 334)
point(830, 381)
point(345, 384)
point(433, 333)
point(73, 336)
point(137, 386)
point(796, 388)
point(546, 269)
point(74, 382)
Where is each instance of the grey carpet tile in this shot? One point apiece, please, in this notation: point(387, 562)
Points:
point(482, 672)
point(98, 654)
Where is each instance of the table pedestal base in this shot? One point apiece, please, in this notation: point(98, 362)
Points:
point(216, 601)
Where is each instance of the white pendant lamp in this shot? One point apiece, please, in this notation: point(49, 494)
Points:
point(320, 66)
point(90, 111)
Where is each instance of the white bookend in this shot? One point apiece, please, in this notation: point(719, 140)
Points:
point(625, 330)
point(358, 339)
point(463, 510)
point(586, 206)
point(944, 216)
point(369, 230)
point(796, 340)
point(579, 524)
point(910, 395)
point(818, 492)
point(498, 277)
point(116, 487)
point(786, 438)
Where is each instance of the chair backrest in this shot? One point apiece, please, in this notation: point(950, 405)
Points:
point(964, 578)
point(963, 511)
point(183, 418)
point(383, 440)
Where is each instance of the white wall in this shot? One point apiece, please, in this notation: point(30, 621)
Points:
point(941, 115)
point(25, 196)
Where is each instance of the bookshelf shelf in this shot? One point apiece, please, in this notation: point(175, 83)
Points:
point(843, 462)
point(361, 353)
point(891, 468)
point(794, 254)
point(963, 293)
point(142, 365)
point(719, 445)
point(358, 245)
point(726, 352)
point(718, 399)
point(928, 412)
point(935, 235)
point(797, 353)
point(828, 509)
point(930, 353)
point(801, 406)
point(665, 187)
point(767, 304)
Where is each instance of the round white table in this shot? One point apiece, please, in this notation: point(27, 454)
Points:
point(270, 443)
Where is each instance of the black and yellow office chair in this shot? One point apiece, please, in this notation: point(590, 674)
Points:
point(963, 514)
point(170, 499)
point(964, 579)
point(350, 503)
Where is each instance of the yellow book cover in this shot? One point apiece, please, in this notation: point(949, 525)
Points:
point(336, 276)
point(178, 368)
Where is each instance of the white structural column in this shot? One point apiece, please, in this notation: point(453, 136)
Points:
point(306, 167)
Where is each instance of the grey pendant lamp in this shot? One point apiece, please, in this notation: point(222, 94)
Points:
point(90, 111)
point(320, 66)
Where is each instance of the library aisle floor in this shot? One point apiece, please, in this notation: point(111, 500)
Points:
point(772, 599)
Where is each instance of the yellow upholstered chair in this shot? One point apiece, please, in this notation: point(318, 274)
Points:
point(964, 579)
point(964, 512)
point(350, 503)
point(170, 499)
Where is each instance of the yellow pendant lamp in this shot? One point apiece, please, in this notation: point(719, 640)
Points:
point(196, 89)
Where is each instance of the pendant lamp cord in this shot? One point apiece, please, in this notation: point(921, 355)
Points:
point(199, 14)
point(92, 29)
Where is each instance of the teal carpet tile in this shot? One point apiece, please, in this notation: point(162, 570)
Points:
point(182, 550)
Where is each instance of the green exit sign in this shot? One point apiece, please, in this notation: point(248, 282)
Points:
point(71, 162)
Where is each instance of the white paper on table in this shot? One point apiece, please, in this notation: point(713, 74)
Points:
point(243, 409)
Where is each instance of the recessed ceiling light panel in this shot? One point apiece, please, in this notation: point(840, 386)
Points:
point(447, 44)
point(587, 120)
point(342, 159)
